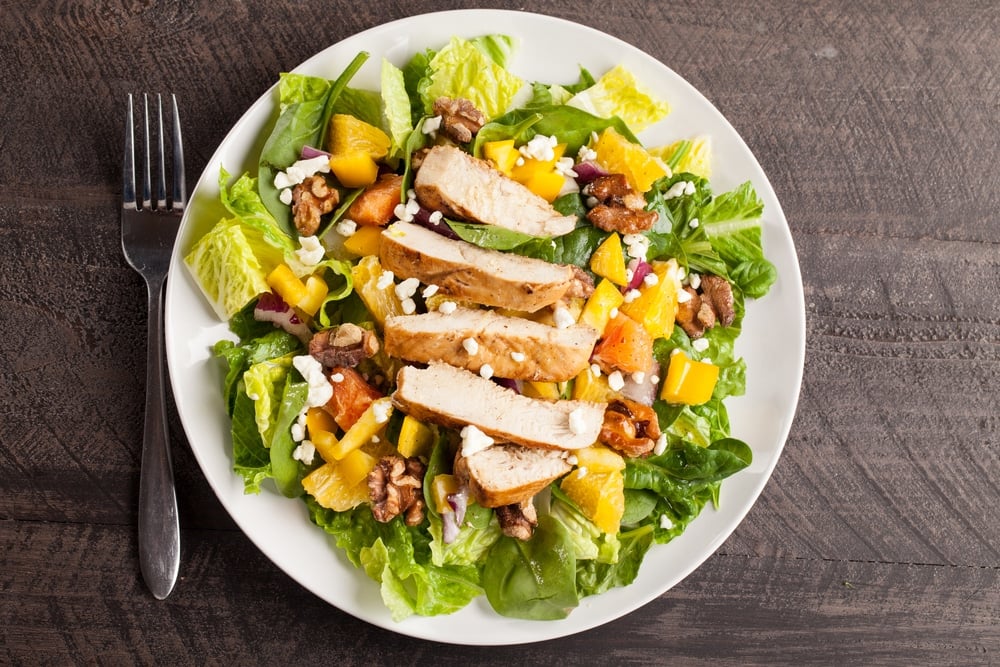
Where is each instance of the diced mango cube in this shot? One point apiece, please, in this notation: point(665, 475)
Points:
point(608, 261)
point(316, 291)
point(354, 170)
point(355, 466)
point(688, 381)
point(599, 495)
point(547, 184)
point(441, 487)
point(546, 390)
point(592, 387)
point(286, 284)
point(415, 438)
point(364, 241)
point(597, 311)
point(502, 154)
point(656, 306)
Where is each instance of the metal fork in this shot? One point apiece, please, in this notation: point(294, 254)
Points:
point(149, 229)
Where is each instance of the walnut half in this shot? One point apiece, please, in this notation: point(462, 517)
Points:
point(518, 520)
point(395, 487)
point(619, 208)
point(630, 428)
point(460, 119)
point(311, 199)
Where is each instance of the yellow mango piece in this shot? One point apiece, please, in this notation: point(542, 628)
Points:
point(620, 156)
point(597, 311)
point(325, 443)
point(354, 170)
point(371, 423)
point(364, 241)
point(590, 387)
point(327, 485)
point(531, 167)
point(441, 487)
point(598, 458)
point(656, 307)
point(599, 495)
point(286, 284)
point(316, 291)
point(546, 390)
point(381, 302)
point(608, 261)
point(348, 134)
point(415, 438)
point(547, 185)
point(502, 154)
point(355, 466)
point(688, 381)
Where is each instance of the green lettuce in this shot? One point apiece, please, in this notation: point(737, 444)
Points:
point(467, 69)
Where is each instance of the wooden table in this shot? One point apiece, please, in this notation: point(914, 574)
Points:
point(877, 540)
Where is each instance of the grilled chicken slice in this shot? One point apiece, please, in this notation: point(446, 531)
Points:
point(462, 186)
point(468, 272)
point(455, 397)
point(504, 475)
point(513, 347)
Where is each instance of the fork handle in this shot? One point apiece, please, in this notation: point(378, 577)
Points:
point(159, 529)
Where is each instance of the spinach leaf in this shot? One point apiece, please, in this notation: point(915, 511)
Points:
point(251, 460)
point(533, 579)
point(594, 577)
point(573, 126)
point(287, 472)
point(489, 236)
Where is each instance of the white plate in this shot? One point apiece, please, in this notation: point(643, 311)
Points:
point(550, 50)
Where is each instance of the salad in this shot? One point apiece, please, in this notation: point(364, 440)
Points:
point(479, 329)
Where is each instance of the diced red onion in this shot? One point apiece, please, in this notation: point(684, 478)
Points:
point(452, 521)
point(588, 171)
point(640, 269)
point(508, 383)
point(308, 152)
point(271, 308)
point(642, 392)
point(423, 218)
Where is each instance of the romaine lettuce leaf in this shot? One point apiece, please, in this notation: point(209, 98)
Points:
point(264, 383)
point(396, 108)
point(463, 70)
point(618, 93)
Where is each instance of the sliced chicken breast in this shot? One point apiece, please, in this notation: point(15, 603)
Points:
point(480, 275)
point(462, 186)
point(455, 397)
point(507, 474)
point(512, 347)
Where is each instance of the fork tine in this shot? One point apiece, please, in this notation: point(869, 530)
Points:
point(161, 164)
point(179, 195)
point(146, 179)
point(128, 168)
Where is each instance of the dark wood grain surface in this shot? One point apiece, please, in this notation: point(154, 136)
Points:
point(877, 540)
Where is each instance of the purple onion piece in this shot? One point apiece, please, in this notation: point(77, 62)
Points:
point(644, 392)
point(508, 383)
point(423, 218)
point(308, 152)
point(640, 269)
point(459, 502)
point(449, 527)
point(588, 171)
point(271, 308)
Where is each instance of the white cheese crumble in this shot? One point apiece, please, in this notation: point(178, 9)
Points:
point(486, 371)
point(577, 421)
point(471, 345)
point(429, 291)
point(650, 279)
point(637, 245)
point(407, 288)
point(346, 227)
point(285, 196)
point(632, 295)
point(474, 440)
point(337, 378)
point(616, 381)
point(299, 428)
point(654, 379)
point(683, 296)
point(385, 279)
point(699, 344)
point(447, 307)
point(679, 188)
point(694, 223)
point(586, 154)
point(564, 167)
point(517, 356)
point(320, 389)
point(661, 444)
point(694, 281)
point(563, 317)
point(595, 370)
point(304, 452)
point(540, 147)
point(613, 313)
point(431, 125)
point(310, 251)
point(638, 377)
point(300, 170)
point(665, 522)
point(381, 410)
point(409, 306)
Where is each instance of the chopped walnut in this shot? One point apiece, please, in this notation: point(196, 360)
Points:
point(311, 199)
point(518, 520)
point(395, 487)
point(343, 345)
point(619, 207)
point(714, 303)
point(460, 119)
point(630, 428)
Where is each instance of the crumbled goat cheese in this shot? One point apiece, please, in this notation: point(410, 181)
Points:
point(429, 291)
point(409, 306)
point(285, 196)
point(661, 445)
point(517, 356)
point(375, 440)
point(650, 279)
point(613, 313)
point(385, 279)
point(447, 307)
point(486, 371)
point(595, 370)
point(300, 170)
point(694, 223)
point(299, 428)
point(346, 227)
point(337, 378)
point(586, 154)
point(571, 459)
point(683, 296)
point(435, 217)
point(540, 147)
point(407, 288)
point(471, 345)
point(577, 422)
point(637, 245)
point(638, 377)
point(474, 440)
point(615, 380)
point(665, 522)
point(699, 344)
point(563, 318)
point(564, 167)
point(310, 251)
point(304, 452)
point(431, 125)
point(694, 280)
point(320, 389)
point(381, 410)
point(654, 379)
point(632, 295)
point(679, 188)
